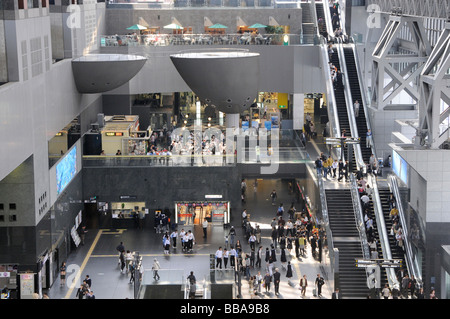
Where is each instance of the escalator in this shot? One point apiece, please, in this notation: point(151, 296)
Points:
point(322, 26)
point(396, 252)
point(341, 106)
point(355, 90)
point(352, 280)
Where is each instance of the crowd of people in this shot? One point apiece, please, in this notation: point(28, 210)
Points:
point(265, 267)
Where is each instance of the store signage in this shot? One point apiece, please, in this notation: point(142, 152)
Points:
point(114, 133)
point(128, 197)
point(5, 274)
point(213, 196)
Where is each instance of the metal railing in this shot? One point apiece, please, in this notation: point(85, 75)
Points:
point(411, 258)
point(332, 252)
point(382, 230)
point(366, 100)
point(164, 39)
point(349, 105)
point(333, 118)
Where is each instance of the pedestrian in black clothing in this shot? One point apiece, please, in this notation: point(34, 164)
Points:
point(319, 283)
point(297, 246)
point(276, 281)
point(267, 255)
point(88, 281)
point(273, 254)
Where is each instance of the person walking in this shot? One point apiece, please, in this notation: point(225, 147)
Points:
point(205, 227)
point(273, 196)
point(122, 261)
point(319, 283)
point(259, 257)
point(267, 281)
point(303, 285)
point(276, 281)
point(231, 235)
point(289, 272)
point(174, 237)
point(62, 273)
point(226, 257)
point(232, 257)
point(155, 267)
point(219, 256)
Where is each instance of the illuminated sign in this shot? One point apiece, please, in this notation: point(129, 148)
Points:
point(114, 133)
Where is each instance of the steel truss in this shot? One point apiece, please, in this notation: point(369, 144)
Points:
point(418, 8)
point(386, 57)
point(435, 93)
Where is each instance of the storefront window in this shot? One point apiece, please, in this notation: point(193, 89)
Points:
point(193, 213)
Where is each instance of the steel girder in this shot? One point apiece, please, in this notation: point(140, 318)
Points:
point(385, 57)
point(435, 92)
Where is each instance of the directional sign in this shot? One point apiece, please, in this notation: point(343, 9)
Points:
point(385, 263)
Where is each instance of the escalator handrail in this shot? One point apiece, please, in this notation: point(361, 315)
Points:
point(349, 105)
point(382, 230)
point(335, 129)
point(359, 216)
point(410, 257)
point(326, 220)
point(365, 103)
point(327, 17)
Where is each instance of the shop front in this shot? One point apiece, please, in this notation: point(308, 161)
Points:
point(128, 214)
point(193, 213)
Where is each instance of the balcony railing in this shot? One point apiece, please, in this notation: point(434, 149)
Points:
point(199, 39)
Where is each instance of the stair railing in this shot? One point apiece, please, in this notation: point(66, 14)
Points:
point(411, 258)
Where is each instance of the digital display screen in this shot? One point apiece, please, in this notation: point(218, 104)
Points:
point(400, 167)
point(66, 169)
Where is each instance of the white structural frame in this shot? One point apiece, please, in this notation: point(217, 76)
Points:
point(435, 93)
point(384, 61)
point(418, 8)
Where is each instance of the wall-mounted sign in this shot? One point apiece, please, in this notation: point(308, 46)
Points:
point(128, 197)
point(114, 133)
point(213, 196)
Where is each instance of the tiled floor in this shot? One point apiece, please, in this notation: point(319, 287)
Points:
point(99, 260)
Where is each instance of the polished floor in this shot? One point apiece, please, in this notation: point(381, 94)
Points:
point(98, 258)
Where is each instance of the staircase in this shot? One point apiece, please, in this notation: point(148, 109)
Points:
point(355, 89)
point(307, 24)
point(352, 280)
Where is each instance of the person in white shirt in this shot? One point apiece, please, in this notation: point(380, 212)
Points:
point(174, 236)
point(219, 256)
point(251, 241)
point(191, 240)
point(205, 227)
point(232, 257)
point(155, 269)
point(356, 108)
point(334, 166)
point(226, 256)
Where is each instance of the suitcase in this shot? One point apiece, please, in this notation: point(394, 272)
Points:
point(314, 292)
